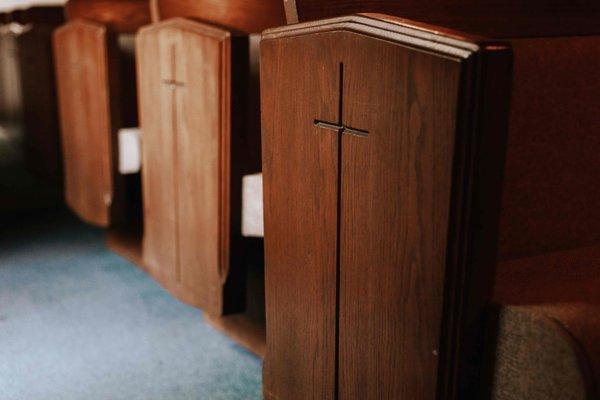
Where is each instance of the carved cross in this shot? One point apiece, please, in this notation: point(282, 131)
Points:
point(339, 126)
point(173, 83)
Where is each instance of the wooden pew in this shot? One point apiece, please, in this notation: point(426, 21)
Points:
point(28, 110)
point(96, 80)
point(388, 202)
point(199, 114)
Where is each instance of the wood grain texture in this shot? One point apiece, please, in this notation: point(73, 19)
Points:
point(82, 52)
point(187, 124)
point(300, 204)
point(369, 277)
point(394, 218)
point(248, 16)
point(507, 18)
point(123, 16)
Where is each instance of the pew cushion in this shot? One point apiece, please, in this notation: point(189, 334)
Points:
point(539, 353)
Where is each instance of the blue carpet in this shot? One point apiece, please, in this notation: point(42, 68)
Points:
point(78, 322)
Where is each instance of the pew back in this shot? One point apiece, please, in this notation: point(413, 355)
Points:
point(247, 16)
point(505, 18)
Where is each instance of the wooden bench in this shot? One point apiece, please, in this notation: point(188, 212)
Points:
point(398, 176)
point(95, 69)
point(199, 115)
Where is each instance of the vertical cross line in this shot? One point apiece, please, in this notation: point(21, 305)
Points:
point(175, 128)
point(338, 231)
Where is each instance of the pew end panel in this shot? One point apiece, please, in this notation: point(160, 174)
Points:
point(378, 131)
point(86, 81)
point(101, 70)
point(199, 140)
point(542, 200)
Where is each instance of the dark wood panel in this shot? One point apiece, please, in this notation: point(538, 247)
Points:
point(414, 247)
point(395, 196)
point(119, 15)
point(299, 83)
point(82, 53)
point(248, 16)
point(508, 18)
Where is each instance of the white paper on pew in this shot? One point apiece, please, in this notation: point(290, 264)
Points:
point(252, 206)
point(130, 151)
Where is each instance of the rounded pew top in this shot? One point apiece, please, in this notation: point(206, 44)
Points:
point(246, 16)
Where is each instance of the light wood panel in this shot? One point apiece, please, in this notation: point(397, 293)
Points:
point(184, 86)
point(84, 59)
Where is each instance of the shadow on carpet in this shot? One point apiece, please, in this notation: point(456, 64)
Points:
point(79, 322)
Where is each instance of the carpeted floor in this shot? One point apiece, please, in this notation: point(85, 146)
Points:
point(78, 322)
